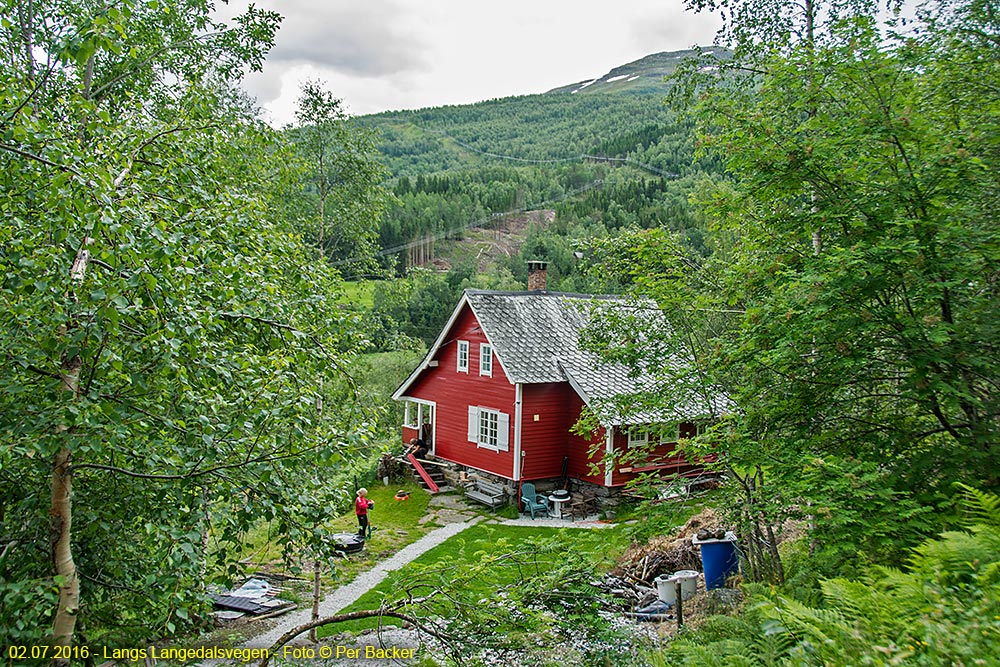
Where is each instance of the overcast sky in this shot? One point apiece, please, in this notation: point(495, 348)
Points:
point(382, 55)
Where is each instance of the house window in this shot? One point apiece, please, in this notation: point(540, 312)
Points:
point(463, 356)
point(485, 360)
point(489, 429)
point(411, 416)
point(416, 414)
point(638, 436)
point(691, 429)
point(662, 434)
point(670, 433)
point(489, 422)
point(700, 427)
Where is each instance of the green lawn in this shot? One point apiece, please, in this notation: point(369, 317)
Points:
point(483, 559)
point(360, 293)
point(395, 525)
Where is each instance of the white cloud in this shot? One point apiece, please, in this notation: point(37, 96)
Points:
point(394, 54)
point(373, 38)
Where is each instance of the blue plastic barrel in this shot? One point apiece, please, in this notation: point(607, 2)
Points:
point(718, 559)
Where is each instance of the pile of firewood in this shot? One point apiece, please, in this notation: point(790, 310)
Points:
point(666, 554)
point(631, 593)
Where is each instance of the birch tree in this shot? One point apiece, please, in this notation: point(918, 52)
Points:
point(164, 334)
point(337, 200)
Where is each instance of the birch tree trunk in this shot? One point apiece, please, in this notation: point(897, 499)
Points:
point(316, 595)
point(26, 18)
point(61, 508)
point(61, 521)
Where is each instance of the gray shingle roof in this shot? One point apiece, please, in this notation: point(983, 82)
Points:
point(536, 337)
point(532, 332)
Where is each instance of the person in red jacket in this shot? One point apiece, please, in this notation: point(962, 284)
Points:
point(361, 507)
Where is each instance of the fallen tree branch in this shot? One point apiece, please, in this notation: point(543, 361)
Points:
point(340, 618)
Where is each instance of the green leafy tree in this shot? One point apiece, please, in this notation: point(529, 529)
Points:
point(341, 205)
point(164, 340)
point(846, 307)
point(885, 334)
point(756, 29)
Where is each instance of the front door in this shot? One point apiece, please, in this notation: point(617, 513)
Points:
point(427, 426)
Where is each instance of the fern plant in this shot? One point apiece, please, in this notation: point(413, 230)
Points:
point(943, 610)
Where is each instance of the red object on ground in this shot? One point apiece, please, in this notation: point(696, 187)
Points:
point(423, 473)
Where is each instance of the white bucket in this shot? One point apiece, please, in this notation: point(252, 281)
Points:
point(689, 582)
point(665, 588)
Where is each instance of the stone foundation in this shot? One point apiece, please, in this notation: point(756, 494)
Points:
point(460, 476)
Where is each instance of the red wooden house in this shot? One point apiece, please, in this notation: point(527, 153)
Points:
point(505, 381)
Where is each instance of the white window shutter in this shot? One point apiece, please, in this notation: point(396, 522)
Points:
point(473, 424)
point(503, 430)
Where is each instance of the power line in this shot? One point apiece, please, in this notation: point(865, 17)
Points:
point(514, 158)
point(436, 236)
point(629, 160)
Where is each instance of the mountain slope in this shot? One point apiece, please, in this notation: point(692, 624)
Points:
point(644, 75)
point(590, 118)
point(608, 158)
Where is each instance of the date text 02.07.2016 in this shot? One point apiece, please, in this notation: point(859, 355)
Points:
point(15, 653)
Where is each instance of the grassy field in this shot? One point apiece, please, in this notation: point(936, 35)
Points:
point(359, 293)
point(484, 559)
point(378, 374)
point(395, 525)
point(483, 562)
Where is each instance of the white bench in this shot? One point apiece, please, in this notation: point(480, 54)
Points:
point(488, 493)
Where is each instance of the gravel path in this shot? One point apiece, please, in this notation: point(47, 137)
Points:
point(363, 583)
point(457, 517)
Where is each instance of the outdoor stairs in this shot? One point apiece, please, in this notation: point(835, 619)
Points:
point(428, 475)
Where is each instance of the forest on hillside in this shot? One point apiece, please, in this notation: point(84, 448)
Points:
point(185, 367)
point(603, 163)
point(454, 167)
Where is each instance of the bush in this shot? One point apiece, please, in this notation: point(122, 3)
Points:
point(945, 610)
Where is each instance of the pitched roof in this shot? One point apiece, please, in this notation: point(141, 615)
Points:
point(536, 337)
point(531, 332)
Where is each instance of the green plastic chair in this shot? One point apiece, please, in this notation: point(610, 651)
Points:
point(533, 502)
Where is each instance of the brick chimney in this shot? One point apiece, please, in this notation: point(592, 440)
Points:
point(536, 276)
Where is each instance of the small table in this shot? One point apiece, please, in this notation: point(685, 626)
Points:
point(557, 503)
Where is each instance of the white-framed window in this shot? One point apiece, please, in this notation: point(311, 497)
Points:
point(411, 414)
point(690, 429)
point(700, 427)
point(415, 414)
point(485, 359)
point(463, 357)
point(658, 433)
point(489, 429)
point(638, 436)
point(670, 433)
